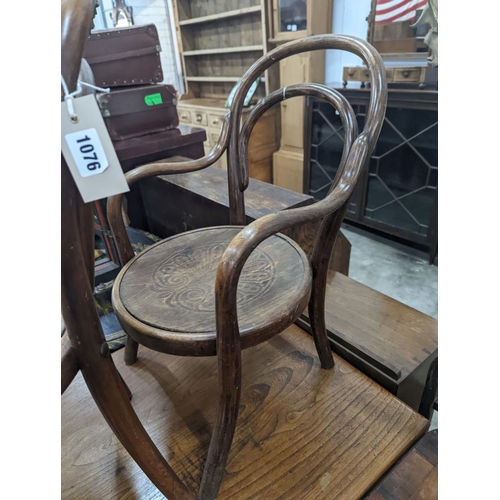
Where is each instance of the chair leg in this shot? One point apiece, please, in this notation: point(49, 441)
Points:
point(222, 437)
point(131, 347)
point(225, 422)
point(317, 321)
point(125, 386)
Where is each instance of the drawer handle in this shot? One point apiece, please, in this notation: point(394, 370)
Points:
point(198, 118)
point(184, 117)
point(351, 73)
point(406, 73)
point(367, 74)
point(215, 122)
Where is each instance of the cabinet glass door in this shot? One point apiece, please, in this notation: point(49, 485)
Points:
point(292, 15)
point(327, 144)
point(403, 173)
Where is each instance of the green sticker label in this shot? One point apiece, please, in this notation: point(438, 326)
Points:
point(153, 99)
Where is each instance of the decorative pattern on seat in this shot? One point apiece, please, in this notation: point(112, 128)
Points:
point(171, 285)
point(177, 281)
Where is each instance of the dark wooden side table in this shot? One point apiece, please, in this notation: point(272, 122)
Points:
point(184, 140)
point(415, 476)
point(182, 202)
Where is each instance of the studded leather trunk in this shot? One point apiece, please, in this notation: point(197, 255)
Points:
point(125, 56)
point(138, 111)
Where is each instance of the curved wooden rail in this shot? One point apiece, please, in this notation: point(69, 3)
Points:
point(115, 203)
point(377, 103)
point(89, 350)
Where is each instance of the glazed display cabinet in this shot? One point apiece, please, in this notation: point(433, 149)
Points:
point(398, 192)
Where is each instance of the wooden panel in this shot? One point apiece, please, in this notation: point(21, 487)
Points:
point(261, 170)
point(288, 168)
point(415, 477)
point(303, 433)
point(293, 70)
point(389, 46)
point(391, 334)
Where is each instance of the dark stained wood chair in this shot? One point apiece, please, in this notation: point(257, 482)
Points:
point(218, 290)
point(251, 284)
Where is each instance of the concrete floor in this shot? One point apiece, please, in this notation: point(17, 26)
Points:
point(394, 270)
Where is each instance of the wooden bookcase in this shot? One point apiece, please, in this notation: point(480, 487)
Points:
point(218, 41)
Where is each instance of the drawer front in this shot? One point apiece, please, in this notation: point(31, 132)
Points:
point(406, 75)
point(215, 121)
point(184, 116)
point(356, 74)
point(363, 75)
point(213, 137)
point(199, 118)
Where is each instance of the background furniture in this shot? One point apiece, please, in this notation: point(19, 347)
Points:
point(218, 41)
point(185, 141)
point(294, 19)
point(398, 192)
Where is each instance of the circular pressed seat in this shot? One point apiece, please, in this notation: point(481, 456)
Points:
point(164, 298)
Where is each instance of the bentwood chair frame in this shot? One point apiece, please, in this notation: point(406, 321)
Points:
point(88, 350)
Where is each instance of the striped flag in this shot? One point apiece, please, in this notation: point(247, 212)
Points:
point(392, 11)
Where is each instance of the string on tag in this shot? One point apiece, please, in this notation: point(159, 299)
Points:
point(99, 89)
point(68, 98)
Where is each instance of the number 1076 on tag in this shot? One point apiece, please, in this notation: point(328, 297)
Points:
point(87, 151)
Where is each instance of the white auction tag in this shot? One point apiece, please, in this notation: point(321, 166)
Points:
point(89, 151)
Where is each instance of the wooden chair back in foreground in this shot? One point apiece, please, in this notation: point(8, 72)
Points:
point(85, 346)
point(262, 280)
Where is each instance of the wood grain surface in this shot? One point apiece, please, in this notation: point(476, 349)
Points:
point(415, 477)
point(390, 332)
point(302, 432)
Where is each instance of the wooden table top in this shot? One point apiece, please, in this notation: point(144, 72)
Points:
point(390, 334)
point(261, 198)
point(302, 433)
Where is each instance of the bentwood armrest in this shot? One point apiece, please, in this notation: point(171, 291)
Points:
point(114, 204)
point(251, 236)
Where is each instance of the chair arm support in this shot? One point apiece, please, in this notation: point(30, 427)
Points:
point(115, 203)
point(242, 245)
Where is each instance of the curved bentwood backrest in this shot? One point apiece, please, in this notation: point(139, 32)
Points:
point(237, 163)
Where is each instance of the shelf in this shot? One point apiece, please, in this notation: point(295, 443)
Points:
point(216, 79)
point(223, 15)
point(224, 50)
